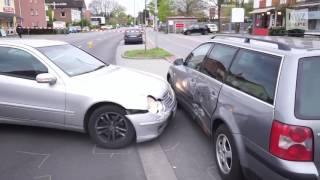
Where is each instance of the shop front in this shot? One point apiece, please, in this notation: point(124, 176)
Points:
point(7, 22)
point(265, 18)
point(310, 21)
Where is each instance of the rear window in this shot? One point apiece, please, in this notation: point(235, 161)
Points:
point(308, 89)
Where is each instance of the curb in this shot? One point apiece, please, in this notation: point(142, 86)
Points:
point(142, 58)
point(171, 59)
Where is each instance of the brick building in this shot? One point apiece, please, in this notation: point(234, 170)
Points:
point(31, 12)
point(68, 11)
point(291, 14)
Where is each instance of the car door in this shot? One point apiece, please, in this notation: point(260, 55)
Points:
point(209, 82)
point(21, 97)
point(185, 75)
point(195, 29)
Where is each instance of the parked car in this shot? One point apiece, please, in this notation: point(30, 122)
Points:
point(133, 36)
point(259, 100)
point(72, 29)
point(107, 27)
point(203, 29)
point(54, 84)
point(78, 28)
point(213, 28)
point(85, 29)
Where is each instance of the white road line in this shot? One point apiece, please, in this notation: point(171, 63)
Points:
point(43, 177)
point(46, 156)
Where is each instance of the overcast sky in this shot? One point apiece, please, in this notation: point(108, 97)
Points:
point(129, 5)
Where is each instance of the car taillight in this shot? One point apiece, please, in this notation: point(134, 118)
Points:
point(294, 143)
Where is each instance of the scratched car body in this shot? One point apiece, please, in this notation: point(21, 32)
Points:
point(259, 100)
point(54, 84)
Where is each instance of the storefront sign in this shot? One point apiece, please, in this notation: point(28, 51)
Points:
point(8, 9)
point(297, 19)
point(237, 15)
point(180, 25)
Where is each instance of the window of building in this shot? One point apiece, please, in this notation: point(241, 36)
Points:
point(36, 12)
point(255, 73)
point(63, 14)
point(31, 12)
point(196, 57)
point(7, 2)
point(18, 63)
point(218, 61)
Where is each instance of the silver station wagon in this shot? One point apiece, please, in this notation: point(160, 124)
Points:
point(54, 84)
point(259, 101)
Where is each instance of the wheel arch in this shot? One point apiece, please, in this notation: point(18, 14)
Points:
point(95, 106)
point(237, 138)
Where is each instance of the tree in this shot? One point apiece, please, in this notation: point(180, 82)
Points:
point(165, 9)
point(191, 7)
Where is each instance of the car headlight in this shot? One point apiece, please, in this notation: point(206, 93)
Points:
point(154, 106)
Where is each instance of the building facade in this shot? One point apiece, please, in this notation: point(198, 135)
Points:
point(290, 14)
point(31, 13)
point(7, 16)
point(69, 11)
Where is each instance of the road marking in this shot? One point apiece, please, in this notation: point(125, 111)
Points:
point(149, 154)
point(46, 156)
point(90, 44)
point(109, 154)
point(42, 177)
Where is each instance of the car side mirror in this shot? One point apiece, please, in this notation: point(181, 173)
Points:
point(178, 62)
point(46, 78)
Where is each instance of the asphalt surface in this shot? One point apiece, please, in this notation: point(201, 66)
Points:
point(183, 152)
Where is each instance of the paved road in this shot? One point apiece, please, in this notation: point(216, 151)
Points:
point(103, 46)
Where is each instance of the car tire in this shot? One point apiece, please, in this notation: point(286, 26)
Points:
point(205, 33)
point(226, 154)
point(188, 32)
point(109, 128)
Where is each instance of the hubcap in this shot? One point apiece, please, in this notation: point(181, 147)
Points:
point(111, 127)
point(224, 153)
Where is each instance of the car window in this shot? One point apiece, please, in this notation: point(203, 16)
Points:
point(18, 63)
point(255, 73)
point(218, 61)
point(196, 57)
point(71, 60)
point(308, 88)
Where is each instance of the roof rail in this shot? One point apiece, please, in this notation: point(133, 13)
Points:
point(281, 46)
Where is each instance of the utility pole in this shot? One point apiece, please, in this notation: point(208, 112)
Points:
point(156, 21)
point(145, 25)
point(134, 12)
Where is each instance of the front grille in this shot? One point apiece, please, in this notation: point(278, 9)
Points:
point(168, 100)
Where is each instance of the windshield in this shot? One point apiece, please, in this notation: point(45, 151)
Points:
point(71, 60)
point(308, 88)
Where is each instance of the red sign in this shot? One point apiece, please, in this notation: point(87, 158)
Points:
point(179, 25)
point(8, 9)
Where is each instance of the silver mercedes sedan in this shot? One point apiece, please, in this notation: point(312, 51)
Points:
point(54, 84)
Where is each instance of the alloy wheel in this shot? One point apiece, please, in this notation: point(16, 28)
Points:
point(111, 127)
point(224, 153)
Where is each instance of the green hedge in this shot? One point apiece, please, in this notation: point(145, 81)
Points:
point(277, 31)
point(296, 32)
